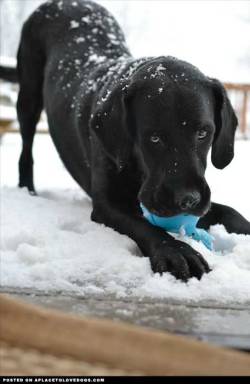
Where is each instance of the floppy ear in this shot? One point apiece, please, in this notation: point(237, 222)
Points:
point(110, 123)
point(226, 123)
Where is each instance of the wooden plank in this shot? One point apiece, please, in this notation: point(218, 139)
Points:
point(9, 129)
point(244, 113)
point(217, 324)
point(237, 87)
point(114, 344)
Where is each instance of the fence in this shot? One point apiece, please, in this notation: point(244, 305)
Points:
point(239, 96)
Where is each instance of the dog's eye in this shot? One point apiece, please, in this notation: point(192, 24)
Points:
point(154, 139)
point(202, 134)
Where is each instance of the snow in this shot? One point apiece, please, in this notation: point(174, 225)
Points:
point(74, 24)
point(60, 5)
point(79, 40)
point(48, 242)
point(86, 19)
point(160, 68)
point(97, 59)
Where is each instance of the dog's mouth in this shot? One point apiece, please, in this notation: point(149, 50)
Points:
point(167, 207)
point(167, 212)
point(162, 212)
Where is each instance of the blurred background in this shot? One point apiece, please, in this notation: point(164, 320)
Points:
point(213, 35)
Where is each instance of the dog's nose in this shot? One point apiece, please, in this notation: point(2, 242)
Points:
point(189, 200)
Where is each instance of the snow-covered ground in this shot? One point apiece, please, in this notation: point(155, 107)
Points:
point(49, 243)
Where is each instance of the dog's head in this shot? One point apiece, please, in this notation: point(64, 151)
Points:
point(168, 115)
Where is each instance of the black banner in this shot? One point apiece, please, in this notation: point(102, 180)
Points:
point(118, 379)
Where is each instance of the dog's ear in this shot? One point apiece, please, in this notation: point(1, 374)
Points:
point(225, 123)
point(110, 123)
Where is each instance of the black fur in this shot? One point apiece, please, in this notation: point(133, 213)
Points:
point(126, 129)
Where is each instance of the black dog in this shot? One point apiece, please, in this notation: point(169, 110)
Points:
point(127, 130)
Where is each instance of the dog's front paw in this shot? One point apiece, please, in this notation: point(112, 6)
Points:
point(179, 259)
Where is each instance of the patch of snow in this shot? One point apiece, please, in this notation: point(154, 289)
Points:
point(86, 19)
point(112, 36)
point(160, 68)
point(97, 59)
point(77, 61)
point(79, 40)
point(74, 24)
point(50, 243)
point(105, 98)
point(60, 4)
point(59, 248)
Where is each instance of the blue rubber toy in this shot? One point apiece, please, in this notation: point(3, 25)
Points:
point(176, 224)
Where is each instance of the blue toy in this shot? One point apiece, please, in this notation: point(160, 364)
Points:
point(178, 223)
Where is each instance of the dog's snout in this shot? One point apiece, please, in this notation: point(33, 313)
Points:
point(189, 200)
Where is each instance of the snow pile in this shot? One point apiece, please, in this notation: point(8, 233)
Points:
point(49, 243)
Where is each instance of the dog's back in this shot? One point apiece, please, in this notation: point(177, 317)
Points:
point(72, 38)
point(62, 46)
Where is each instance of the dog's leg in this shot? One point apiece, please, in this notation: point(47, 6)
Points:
point(166, 254)
point(117, 207)
point(233, 221)
point(29, 107)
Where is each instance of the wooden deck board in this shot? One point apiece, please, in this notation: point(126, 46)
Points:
point(219, 325)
